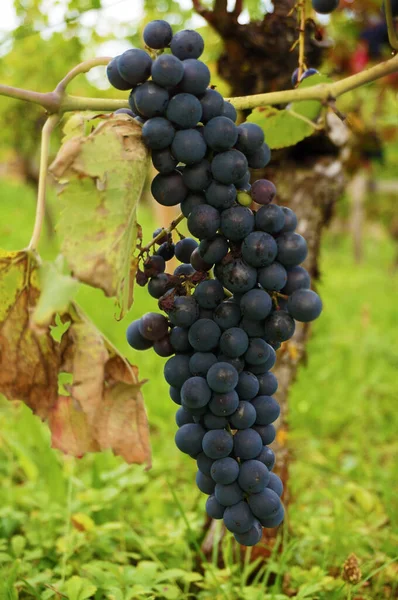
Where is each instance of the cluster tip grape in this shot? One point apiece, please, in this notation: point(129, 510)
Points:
point(239, 290)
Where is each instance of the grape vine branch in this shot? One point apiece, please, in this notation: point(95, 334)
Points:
point(59, 102)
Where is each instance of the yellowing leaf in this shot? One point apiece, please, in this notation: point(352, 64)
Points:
point(57, 291)
point(101, 179)
point(104, 409)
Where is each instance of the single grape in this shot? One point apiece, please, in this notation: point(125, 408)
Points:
point(237, 222)
point(267, 408)
point(229, 111)
point(153, 326)
point(224, 470)
point(224, 404)
point(204, 335)
point(248, 386)
point(151, 100)
point(244, 416)
point(196, 77)
point(184, 110)
point(188, 146)
point(157, 286)
point(228, 167)
point(184, 312)
point(251, 537)
point(263, 191)
point(247, 443)
point(198, 263)
point(204, 221)
point(204, 463)
point(175, 394)
point(125, 111)
point(166, 251)
point(304, 305)
point(238, 277)
point(268, 384)
point(212, 104)
point(267, 456)
point(250, 138)
point(292, 249)
point(195, 393)
point(184, 249)
point(114, 77)
point(217, 443)
point(238, 362)
point(257, 352)
point(244, 198)
point(205, 483)
point(200, 363)
point(162, 238)
point(297, 278)
point(157, 133)
point(157, 34)
point(275, 484)
point(167, 71)
point(274, 520)
point(209, 294)
point(234, 342)
point(176, 370)
point(222, 377)
point(266, 432)
point(183, 417)
point(154, 265)
point(220, 133)
point(260, 158)
point(189, 438)
point(256, 305)
point(135, 339)
point(193, 199)
point(238, 518)
point(169, 190)
point(214, 509)
point(197, 177)
point(187, 44)
point(227, 315)
point(264, 504)
point(228, 494)
point(272, 277)
point(185, 270)
point(325, 7)
point(279, 327)
point(253, 476)
point(290, 219)
point(221, 196)
point(134, 66)
point(270, 218)
point(164, 161)
point(213, 250)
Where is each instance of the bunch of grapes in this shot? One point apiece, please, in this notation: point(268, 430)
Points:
point(239, 289)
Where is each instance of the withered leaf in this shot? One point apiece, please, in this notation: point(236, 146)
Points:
point(104, 408)
point(101, 179)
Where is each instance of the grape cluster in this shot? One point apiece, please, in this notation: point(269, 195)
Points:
point(238, 291)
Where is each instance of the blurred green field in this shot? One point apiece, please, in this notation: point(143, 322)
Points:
point(98, 528)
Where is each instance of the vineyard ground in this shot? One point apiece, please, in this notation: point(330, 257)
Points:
point(127, 533)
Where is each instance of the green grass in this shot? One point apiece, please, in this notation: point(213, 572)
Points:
point(98, 528)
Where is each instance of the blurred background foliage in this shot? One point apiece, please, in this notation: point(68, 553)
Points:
point(97, 528)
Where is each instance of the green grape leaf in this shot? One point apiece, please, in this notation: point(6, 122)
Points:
point(104, 407)
point(57, 291)
point(281, 128)
point(310, 108)
point(101, 178)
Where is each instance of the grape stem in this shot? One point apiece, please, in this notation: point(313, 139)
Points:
point(48, 128)
point(57, 102)
point(164, 230)
point(301, 59)
point(392, 35)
